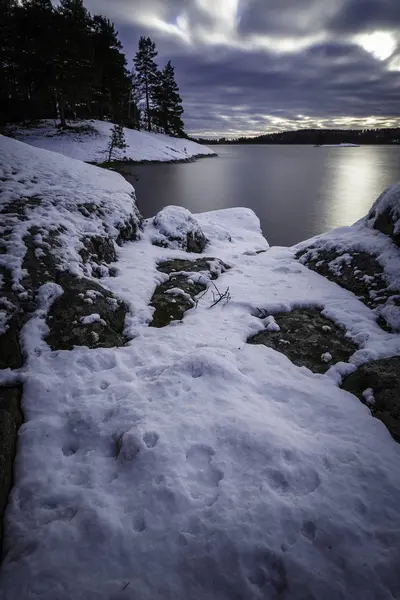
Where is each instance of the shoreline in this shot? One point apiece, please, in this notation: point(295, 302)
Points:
point(111, 166)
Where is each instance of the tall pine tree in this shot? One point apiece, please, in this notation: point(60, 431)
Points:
point(168, 103)
point(112, 82)
point(146, 73)
point(74, 58)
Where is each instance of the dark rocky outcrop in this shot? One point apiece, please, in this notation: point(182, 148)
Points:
point(382, 378)
point(213, 266)
point(307, 338)
point(358, 272)
point(81, 299)
point(10, 420)
point(172, 306)
point(384, 215)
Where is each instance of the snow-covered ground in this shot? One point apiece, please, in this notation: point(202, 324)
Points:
point(88, 141)
point(343, 145)
point(191, 465)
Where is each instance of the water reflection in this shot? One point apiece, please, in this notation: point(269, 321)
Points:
point(296, 191)
point(357, 177)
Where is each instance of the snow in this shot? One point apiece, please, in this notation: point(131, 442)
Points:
point(368, 396)
point(172, 225)
point(94, 318)
point(59, 192)
point(189, 464)
point(91, 145)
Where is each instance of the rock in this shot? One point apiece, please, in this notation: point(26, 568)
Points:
point(172, 307)
point(360, 273)
point(382, 378)
point(10, 421)
point(385, 213)
point(213, 266)
point(99, 250)
point(10, 349)
point(323, 339)
point(68, 317)
point(174, 297)
point(178, 229)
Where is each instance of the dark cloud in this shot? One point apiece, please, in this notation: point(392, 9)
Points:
point(286, 17)
point(237, 84)
point(366, 15)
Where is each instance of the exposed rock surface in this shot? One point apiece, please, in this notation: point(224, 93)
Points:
point(172, 298)
point(10, 421)
point(307, 338)
point(86, 314)
point(176, 228)
point(377, 384)
point(360, 273)
point(385, 213)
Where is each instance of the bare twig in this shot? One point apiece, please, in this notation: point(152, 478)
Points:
point(217, 295)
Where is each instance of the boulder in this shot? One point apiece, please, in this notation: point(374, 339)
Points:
point(385, 213)
point(176, 228)
point(377, 384)
point(307, 338)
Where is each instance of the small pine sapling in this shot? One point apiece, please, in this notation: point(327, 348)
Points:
point(117, 140)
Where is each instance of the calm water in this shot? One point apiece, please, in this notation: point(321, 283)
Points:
point(296, 191)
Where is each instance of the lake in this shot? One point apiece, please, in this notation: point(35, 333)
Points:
point(296, 191)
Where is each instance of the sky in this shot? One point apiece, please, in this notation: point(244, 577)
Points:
point(248, 67)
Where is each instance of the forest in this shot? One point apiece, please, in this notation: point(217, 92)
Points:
point(64, 63)
point(317, 137)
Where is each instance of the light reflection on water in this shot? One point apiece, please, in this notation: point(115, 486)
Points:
point(296, 191)
point(358, 171)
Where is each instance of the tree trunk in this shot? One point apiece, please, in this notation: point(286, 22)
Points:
point(61, 108)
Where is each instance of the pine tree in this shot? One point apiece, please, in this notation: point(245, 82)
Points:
point(74, 58)
point(168, 103)
point(8, 9)
point(146, 73)
point(112, 82)
point(117, 140)
point(133, 102)
point(36, 28)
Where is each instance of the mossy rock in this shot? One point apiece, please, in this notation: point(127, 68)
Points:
point(307, 338)
point(82, 298)
point(170, 308)
point(214, 266)
point(383, 378)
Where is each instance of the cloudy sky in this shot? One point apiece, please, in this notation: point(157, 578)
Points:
point(247, 67)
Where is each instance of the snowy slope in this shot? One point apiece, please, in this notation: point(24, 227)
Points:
point(191, 465)
point(90, 139)
point(60, 194)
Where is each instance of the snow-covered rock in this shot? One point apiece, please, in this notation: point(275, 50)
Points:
point(364, 258)
point(176, 228)
point(385, 213)
point(88, 141)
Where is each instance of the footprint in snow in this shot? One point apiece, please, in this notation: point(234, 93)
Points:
point(203, 476)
